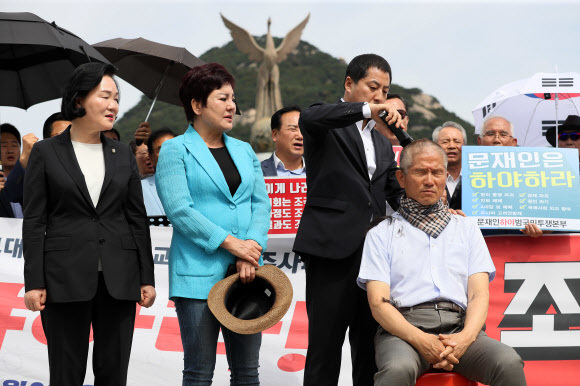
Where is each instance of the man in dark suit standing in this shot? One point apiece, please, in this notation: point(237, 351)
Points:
point(351, 172)
point(451, 137)
point(287, 160)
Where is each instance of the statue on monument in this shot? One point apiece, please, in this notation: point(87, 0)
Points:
point(268, 97)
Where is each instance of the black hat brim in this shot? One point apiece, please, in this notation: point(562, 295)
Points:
point(551, 132)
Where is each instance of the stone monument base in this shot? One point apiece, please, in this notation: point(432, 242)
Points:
point(261, 137)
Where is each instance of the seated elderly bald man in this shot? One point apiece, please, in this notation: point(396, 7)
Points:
point(427, 274)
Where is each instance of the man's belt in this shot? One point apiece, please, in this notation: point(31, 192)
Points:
point(442, 305)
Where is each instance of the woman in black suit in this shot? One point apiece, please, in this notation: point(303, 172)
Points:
point(86, 239)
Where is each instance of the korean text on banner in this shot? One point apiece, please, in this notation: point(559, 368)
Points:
point(508, 187)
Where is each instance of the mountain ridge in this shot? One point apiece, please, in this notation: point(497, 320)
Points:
point(308, 75)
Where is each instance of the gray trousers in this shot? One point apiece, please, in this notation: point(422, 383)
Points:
point(487, 360)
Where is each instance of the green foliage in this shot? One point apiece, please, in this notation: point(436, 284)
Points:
point(420, 127)
point(306, 76)
point(163, 115)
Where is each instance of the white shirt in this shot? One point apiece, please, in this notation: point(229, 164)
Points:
point(17, 210)
point(92, 162)
point(452, 184)
point(281, 170)
point(366, 135)
point(420, 268)
point(151, 200)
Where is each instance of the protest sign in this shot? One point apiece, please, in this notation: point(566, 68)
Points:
point(508, 187)
point(534, 307)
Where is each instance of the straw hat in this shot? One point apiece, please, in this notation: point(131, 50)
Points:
point(253, 307)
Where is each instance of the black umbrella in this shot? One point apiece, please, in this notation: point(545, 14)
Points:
point(37, 58)
point(155, 69)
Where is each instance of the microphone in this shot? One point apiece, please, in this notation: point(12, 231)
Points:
point(402, 136)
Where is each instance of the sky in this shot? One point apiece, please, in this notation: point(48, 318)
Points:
point(459, 52)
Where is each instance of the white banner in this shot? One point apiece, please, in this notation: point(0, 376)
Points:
point(157, 354)
point(540, 291)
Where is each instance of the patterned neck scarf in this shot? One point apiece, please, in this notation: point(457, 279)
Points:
point(431, 219)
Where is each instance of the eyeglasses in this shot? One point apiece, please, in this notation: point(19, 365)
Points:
point(572, 136)
point(403, 114)
point(501, 134)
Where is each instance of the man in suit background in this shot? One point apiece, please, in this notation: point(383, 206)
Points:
point(10, 169)
point(150, 198)
point(142, 157)
point(351, 173)
point(287, 160)
point(451, 137)
point(499, 131)
point(53, 126)
point(399, 103)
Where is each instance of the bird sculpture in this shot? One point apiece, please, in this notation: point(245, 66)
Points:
point(268, 97)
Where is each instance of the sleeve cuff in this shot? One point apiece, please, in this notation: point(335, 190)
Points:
point(362, 283)
point(261, 241)
point(216, 240)
point(34, 284)
point(366, 110)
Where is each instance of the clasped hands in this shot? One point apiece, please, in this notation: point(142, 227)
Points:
point(443, 351)
point(248, 254)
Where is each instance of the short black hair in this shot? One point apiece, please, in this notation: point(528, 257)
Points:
point(133, 146)
point(276, 120)
point(116, 133)
point(358, 67)
point(8, 128)
point(84, 79)
point(397, 96)
point(158, 134)
point(47, 128)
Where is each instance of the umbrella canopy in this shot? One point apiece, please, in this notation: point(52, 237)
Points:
point(37, 58)
point(533, 105)
point(155, 69)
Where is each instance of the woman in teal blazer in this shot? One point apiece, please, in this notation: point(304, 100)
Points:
point(213, 192)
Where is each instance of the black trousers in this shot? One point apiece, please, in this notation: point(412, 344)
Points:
point(334, 302)
point(67, 328)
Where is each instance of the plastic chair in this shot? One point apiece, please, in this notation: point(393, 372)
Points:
point(444, 379)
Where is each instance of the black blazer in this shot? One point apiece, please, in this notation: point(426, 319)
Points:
point(64, 235)
point(269, 167)
point(454, 201)
point(14, 183)
point(341, 199)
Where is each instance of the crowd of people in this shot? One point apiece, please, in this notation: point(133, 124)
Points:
point(412, 292)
